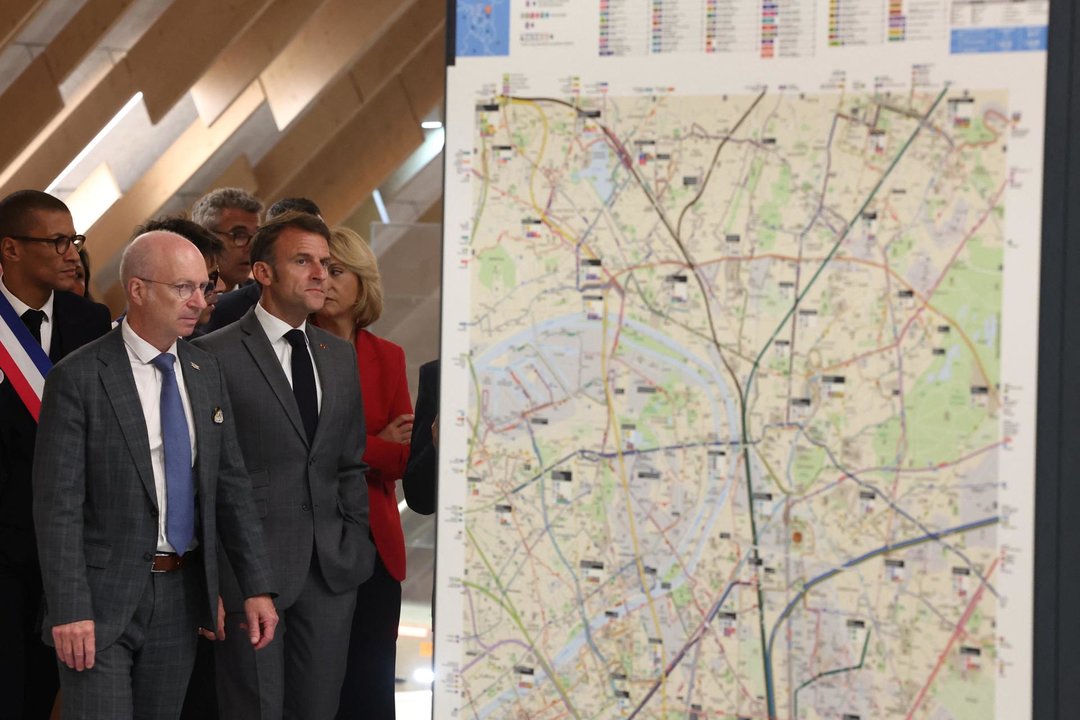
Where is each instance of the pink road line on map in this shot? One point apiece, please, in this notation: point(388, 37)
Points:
point(952, 640)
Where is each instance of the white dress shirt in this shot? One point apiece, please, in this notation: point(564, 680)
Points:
point(148, 384)
point(20, 307)
point(275, 329)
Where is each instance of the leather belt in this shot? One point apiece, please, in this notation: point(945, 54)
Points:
point(167, 562)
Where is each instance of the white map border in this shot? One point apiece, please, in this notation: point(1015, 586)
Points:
point(1020, 74)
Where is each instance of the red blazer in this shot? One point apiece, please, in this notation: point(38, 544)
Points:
point(386, 395)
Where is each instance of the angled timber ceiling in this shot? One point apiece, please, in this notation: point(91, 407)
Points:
point(130, 108)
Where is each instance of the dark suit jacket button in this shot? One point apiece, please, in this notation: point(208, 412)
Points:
point(148, 556)
point(305, 507)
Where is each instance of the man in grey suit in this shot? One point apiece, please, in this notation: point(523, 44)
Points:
point(137, 478)
point(296, 392)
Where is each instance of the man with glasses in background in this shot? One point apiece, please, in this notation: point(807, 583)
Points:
point(235, 304)
point(233, 215)
point(41, 321)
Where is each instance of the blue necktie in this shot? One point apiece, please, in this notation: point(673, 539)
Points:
point(179, 485)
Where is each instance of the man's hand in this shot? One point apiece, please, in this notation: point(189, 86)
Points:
point(261, 620)
point(398, 430)
point(220, 634)
point(75, 644)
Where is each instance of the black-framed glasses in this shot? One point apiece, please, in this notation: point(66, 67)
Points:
point(240, 236)
point(184, 290)
point(61, 243)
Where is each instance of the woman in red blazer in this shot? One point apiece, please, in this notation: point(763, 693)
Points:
point(353, 302)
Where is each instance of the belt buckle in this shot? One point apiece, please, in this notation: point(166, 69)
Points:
point(163, 570)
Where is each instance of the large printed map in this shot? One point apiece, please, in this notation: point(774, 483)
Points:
point(735, 411)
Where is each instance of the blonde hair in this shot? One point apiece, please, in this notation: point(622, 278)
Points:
point(352, 251)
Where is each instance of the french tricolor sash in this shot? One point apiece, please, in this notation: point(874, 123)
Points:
point(22, 360)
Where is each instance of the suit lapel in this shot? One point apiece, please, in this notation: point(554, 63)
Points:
point(258, 345)
point(321, 352)
point(120, 388)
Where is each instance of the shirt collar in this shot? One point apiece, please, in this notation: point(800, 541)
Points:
point(20, 307)
point(274, 327)
point(144, 351)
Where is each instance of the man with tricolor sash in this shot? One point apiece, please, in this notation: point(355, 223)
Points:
point(41, 321)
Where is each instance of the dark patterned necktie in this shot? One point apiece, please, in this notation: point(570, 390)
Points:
point(303, 382)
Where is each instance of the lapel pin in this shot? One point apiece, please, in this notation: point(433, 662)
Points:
point(219, 417)
point(322, 346)
point(196, 367)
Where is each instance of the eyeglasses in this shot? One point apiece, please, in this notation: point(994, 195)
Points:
point(61, 243)
point(240, 236)
point(185, 290)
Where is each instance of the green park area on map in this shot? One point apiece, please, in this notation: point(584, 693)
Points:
point(735, 416)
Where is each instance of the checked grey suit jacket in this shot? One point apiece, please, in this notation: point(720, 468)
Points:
point(95, 507)
point(310, 498)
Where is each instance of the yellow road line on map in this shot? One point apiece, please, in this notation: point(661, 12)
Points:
point(536, 168)
point(614, 423)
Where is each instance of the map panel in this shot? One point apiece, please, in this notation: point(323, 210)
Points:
point(740, 357)
point(735, 412)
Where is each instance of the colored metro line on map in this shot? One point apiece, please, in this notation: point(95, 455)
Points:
point(736, 410)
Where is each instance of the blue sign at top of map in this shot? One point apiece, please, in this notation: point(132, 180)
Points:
point(483, 28)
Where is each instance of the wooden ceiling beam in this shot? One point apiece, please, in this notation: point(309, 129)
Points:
point(162, 181)
point(335, 35)
point(187, 154)
point(403, 40)
point(163, 64)
point(377, 140)
point(81, 35)
point(343, 99)
point(14, 14)
point(182, 44)
point(242, 61)
point(36, 91)
point(239, 174)
point(360, 156)
point(37, 98)
point(68, 133)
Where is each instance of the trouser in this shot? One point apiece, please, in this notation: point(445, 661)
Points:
point(200, 703)
point(368, 690)
point(28, 679)
point(299, 674)
point(144, 674)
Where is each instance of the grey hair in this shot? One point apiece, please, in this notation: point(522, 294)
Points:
point(207, 209)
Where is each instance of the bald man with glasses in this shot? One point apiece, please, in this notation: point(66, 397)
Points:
point(39, 256)
point(138, 481)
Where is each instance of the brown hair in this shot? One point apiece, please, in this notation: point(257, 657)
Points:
point(262, 244)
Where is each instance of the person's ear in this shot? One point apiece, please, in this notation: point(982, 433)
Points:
point(136, 291)
point(262, 272)
point(9, 249)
